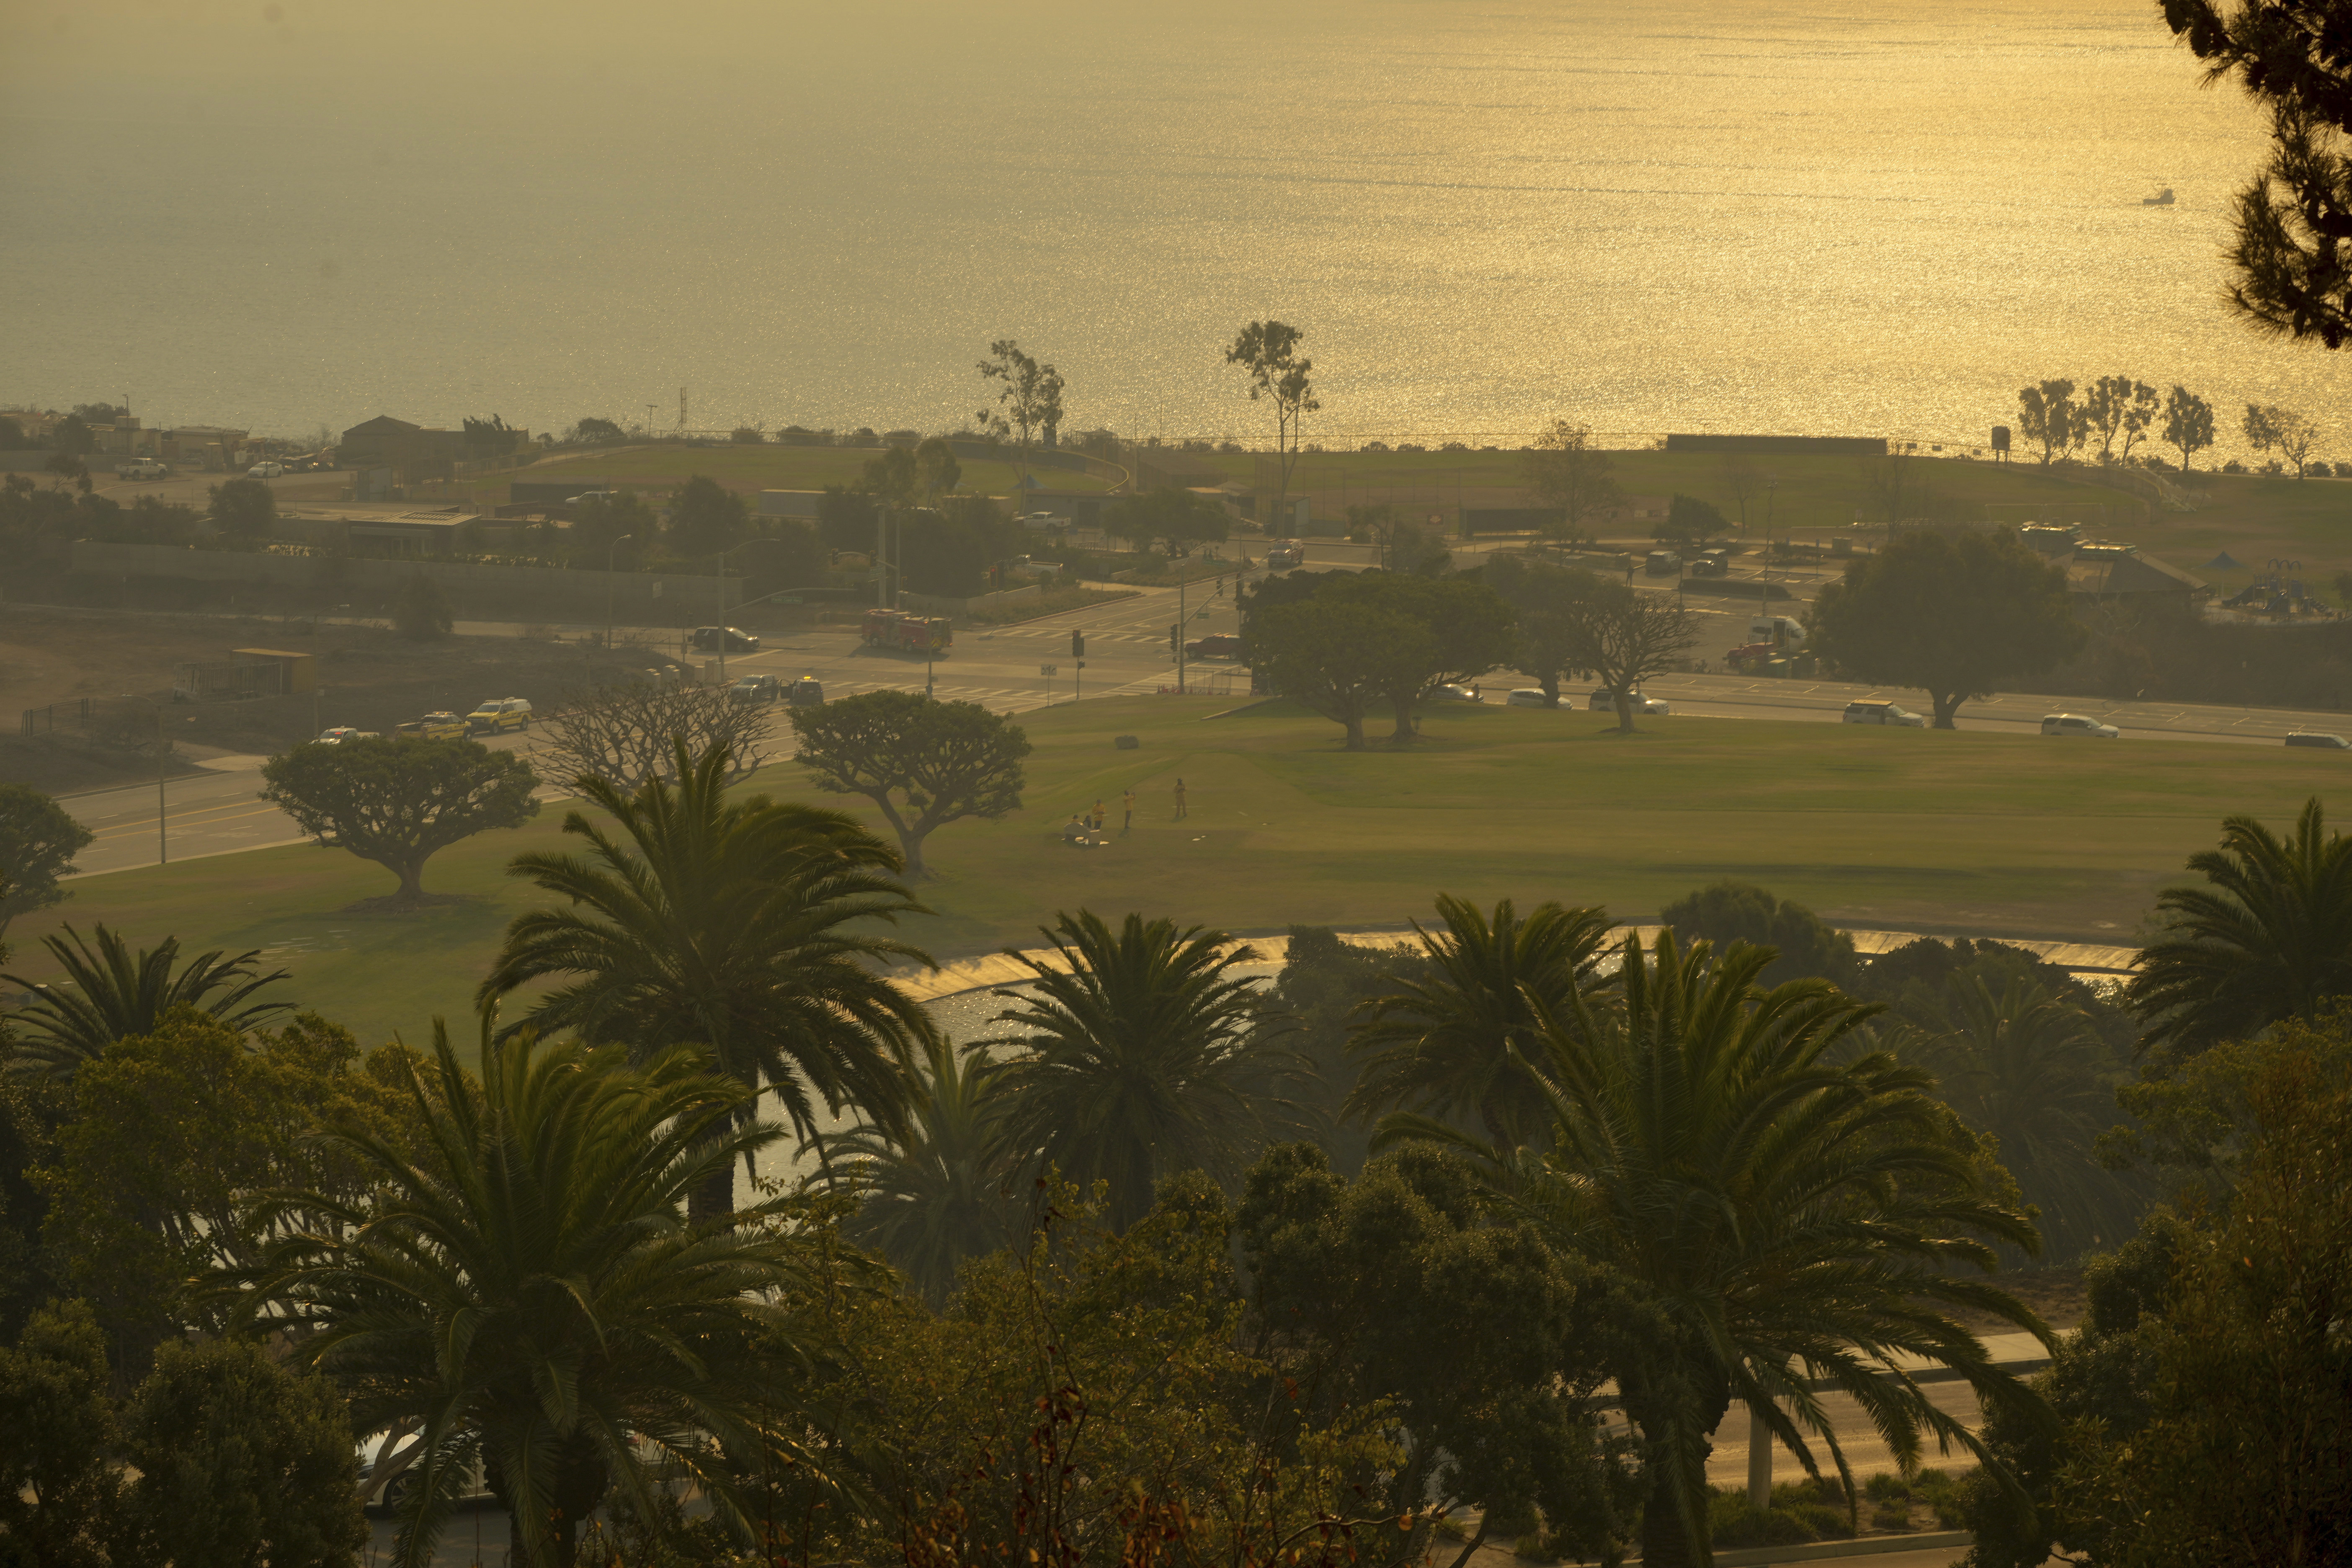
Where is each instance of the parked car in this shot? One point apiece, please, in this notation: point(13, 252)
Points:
point(2075, 724)
point(1873, 711)
point(1455, 693)
point(587, 497)
point(1711, 564)
point(1285, 553)
point(385, 1496)
point(435, 727)
point(1662, 563)
point(144, 468)
point(757, 688)
point(264, 471)
point(1605, 701)
point(1216, 644)
point(808, 692)
point(1527, 696)
point(342, 732)
point(2314, 738)
point(706, 639)
point(496, 715)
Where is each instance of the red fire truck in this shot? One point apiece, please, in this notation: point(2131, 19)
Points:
point(907, 633)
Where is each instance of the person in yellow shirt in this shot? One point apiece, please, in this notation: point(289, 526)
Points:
point(1127, 803)
point(1181, 812)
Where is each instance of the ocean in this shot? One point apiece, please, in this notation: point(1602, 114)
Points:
point(1828, 219)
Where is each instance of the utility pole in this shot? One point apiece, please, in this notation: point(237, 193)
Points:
point(881, 590)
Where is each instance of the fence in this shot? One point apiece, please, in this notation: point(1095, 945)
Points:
point(90, 717)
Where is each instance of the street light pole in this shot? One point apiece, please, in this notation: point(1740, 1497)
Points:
point(162, 829)
point(1182, 626)
point(608, 584)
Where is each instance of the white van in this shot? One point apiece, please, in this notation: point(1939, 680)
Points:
point(2075, 724)
point(1877, 710)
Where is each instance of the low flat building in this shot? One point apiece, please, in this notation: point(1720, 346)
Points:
point(2114, 577)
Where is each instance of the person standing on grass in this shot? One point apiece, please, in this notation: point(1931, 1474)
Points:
point(1099, 813)
point(1181, 812)
point(1127, 802)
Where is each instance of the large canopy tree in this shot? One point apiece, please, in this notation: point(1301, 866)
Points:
point(1956, 618)
point(398, 801)
point(1469, 628)
point(746, 928)
point(38, 839)
point(923, 763)
point(1339, 658)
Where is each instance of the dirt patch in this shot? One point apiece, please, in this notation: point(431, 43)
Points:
point(68, 765)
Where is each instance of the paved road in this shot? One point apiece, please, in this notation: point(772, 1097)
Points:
point(218, 811)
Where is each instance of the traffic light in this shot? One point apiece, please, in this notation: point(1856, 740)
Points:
point(1175, 636)
point(1078, 644)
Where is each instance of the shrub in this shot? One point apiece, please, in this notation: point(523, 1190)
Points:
point(745, 435)
point(2233, 467)
point(1883, 1487)
point(2318, 470)
point(421, 612)
point(1891, 1516)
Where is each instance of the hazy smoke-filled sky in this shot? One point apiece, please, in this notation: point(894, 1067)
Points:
point(1878, 219)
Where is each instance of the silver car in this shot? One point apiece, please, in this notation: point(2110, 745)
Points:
point(2075, 724)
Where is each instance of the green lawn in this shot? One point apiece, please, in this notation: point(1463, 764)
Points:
point(1903, 829)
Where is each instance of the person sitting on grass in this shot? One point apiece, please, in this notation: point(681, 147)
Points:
point(1075, 830)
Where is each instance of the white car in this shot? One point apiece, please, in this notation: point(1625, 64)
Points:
point(1877, 711)
point(342, 732)
point(2075, 724)
point(264, 471)
point(1527, 696)
point(1605, 701)
point(144, 468)
point(1455, 694)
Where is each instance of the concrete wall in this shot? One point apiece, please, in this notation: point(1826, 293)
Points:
point(476, 592)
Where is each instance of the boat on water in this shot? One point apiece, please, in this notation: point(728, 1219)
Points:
point(2162, 198)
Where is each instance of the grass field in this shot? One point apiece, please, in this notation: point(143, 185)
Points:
point(1957, 833)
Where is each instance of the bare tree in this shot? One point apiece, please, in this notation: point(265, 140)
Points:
point(628, 733)
point(1743, 479)
point(1625, 637)
point(1567, 471)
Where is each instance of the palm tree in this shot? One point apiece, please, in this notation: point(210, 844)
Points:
point(1145, 1055)
point(936, 1194)
point(1444, 1046)
point(2033, 1072)
point(1778, 1216)
point(110, 994)
point(2270, 938)
point(523, 1290)
point(743, 927)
